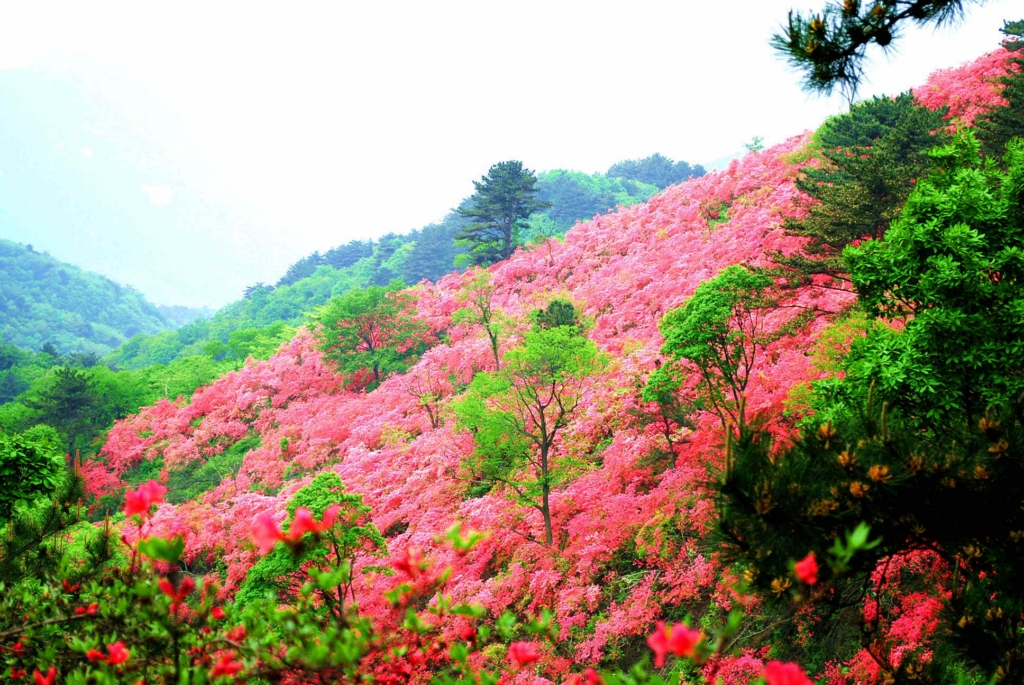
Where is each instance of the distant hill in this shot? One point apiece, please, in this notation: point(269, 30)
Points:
point(266, 314)
point(179, 316)
point(44, 300)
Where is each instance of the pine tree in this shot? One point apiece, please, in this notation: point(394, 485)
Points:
point(872, 156)
point(68, 404)
point(921, 438)
point(1001, 124)
point(830, 46)
point(504, 199)
point(433, 255)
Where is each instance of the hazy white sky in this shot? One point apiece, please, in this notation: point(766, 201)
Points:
point(343, 119)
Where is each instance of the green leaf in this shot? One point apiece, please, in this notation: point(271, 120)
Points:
point(163, 550)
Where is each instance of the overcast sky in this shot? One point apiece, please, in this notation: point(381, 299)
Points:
point(327, 121)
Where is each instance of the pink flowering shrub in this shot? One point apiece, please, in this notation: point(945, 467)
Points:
point(630, 524)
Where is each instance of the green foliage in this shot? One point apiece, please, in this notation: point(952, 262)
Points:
point(870, 158)
point(480, 310)
point(280, 572)
point(189, 483)
point(168, 551)
point(917, 490)
point(951, 268)
point(83, 403)
point(255, 325)
point(31, 466)
point(67, 403)
point(517, 413)
point(1000, 124)
point(557, 313)
point(574, 196)
point(433, 252)
point(18, 369)
point(830, 47)
point(719, 333)
point(656, 170)
point(372, 329)
point(921, 439)
point(43, 300)
point(503, 201)
point(44, 532)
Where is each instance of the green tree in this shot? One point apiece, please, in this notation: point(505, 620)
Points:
point(951, 270)
point(657, 170)
point(433, 254)
point(830, 47)
point(518, 412)
point(719, 332)
point(1000, 124)
point(871, 157)
point(283, 571)
point(31, 466)
point(480, 309)
point(373, 329)
point(922, 437)
point(503, 200)
point(67, 402)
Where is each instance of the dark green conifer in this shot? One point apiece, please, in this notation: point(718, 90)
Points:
point(870, 158)
point(504, 199)
point(999, 125)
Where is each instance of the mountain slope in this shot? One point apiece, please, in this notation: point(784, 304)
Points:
point(624, 270)
point(427, 253)
point(43, 300)
point(632, 520)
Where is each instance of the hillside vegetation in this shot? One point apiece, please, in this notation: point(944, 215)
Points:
point(428, 253)
point(45, 301)
point(763, 427)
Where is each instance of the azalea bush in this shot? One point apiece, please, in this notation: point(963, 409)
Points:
point(146, 619)
point(630, 505)
point(921, 439)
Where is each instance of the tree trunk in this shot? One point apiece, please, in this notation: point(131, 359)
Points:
point(493, 335)
point(545, 493)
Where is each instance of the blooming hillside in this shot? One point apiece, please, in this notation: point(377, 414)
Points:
point(629, 519)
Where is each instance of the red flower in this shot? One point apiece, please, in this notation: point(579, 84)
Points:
point(236, 634)
point(226, 666)
point(17, 673)
point(266, 534)
point(588, 677)
point(303, 522)
point(68, 587)
point(18, 648)
point(522, 653)
point(410, 563)
point(683, 641)
point(49, 679)
point(140, 501)
point(178, 595)
point(807, 569)
point(90, 610)
point(778, 673)
point(218, 614)
point(679, 640)
point(118, 653)
point(658, 642)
